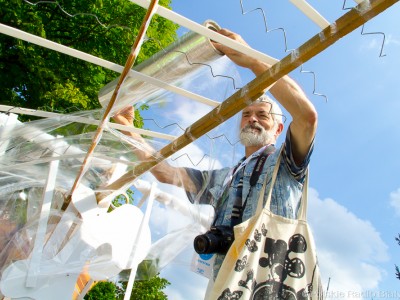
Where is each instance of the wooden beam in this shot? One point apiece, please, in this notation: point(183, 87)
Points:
point(353, 19)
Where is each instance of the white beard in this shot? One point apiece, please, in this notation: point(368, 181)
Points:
point(253, 138)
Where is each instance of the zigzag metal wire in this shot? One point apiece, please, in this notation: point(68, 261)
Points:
point(183, 130)
point(286, 47)
point(265, 22)
point(77, 14)
point(223, 136)
point(205, 155)
point(211, 70)
point(197, 63)
point(368, 33)
point(344, 6)
point(186, 154)
point(191, 161)
point(166, 126)
point(315, 82)
point(374, 33)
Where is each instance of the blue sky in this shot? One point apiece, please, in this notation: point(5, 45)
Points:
point(355, 193)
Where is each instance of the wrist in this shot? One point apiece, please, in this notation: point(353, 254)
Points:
point(259, 67)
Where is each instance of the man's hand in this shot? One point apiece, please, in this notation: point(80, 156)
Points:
point(239, 58)
point(125, 116)
point(162, 171)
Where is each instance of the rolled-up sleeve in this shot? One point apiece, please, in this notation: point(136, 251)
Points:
point(297, 171)
point(208, 185)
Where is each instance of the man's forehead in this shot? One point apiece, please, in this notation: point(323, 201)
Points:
point(259, 106)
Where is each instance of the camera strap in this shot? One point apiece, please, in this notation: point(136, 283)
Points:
point(238, 205)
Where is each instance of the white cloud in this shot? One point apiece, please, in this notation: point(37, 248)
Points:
point(349, 248)
point(374, 44)
point(395, 201)
point(189, 112)
point(392, 40)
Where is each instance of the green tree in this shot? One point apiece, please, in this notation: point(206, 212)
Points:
point(36, 77)
point(147, 289)
point(103, 290)
point(148, 285)
point(142, 290)
point(150, 289)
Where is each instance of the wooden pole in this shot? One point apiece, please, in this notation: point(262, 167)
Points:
point(128, 65)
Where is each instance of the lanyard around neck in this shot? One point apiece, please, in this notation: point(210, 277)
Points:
point(238, 205)
point(263, 154)
point(260, 164)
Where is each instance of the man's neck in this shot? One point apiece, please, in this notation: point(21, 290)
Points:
point(251, 149)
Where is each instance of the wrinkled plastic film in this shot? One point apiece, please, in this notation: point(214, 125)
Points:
point(29, 150)
point(19, 220)
point(31, 147)
point(171, 65)
point(70, 246)
point(180, 206)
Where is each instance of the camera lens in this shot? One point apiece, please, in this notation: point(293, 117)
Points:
point(207, 243)
point(217, 240)
point(201, 244)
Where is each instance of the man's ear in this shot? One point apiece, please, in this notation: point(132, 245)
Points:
point(278, 130)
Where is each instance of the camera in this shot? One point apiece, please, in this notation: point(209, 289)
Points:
point(217, 240)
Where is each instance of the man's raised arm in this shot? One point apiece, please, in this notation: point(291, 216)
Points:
point(164, 172)
point(288, 93)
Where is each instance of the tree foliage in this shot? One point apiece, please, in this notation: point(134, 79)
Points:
point(103, 290)
point(150, 289)
point(142, 290)
point(36, 77)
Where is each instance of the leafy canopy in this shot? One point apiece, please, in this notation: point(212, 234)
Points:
point(39, 78)
point(142, 290)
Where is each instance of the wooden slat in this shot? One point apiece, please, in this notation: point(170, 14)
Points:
point(128, 65)
point(353, 19)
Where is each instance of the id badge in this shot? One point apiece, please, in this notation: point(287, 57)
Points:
point(203, 264)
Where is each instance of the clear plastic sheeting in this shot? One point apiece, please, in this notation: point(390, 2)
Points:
point(31, 146)
point(82, 236)
point(172, 65)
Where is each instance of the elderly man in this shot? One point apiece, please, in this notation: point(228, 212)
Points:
point(234, 192)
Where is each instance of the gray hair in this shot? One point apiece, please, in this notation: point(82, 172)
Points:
point(275, 109)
